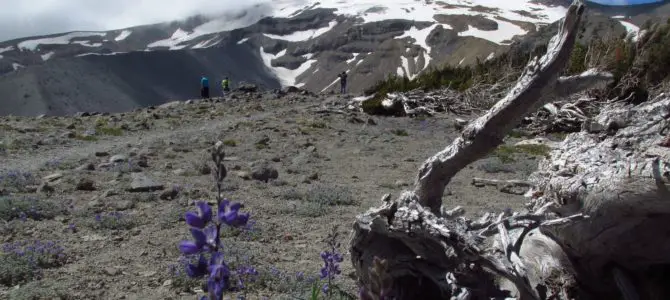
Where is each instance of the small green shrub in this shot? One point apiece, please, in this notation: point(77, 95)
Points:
point(330, 195)
point(12, 207)
point(113, 221)
point(400, 132)
point(230, 143)
point(85, 137)
point(114, 131)
point(506, 152)
point(23, 261)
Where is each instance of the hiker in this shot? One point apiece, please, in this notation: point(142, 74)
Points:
point(225, 84)
point(204, 87)
point(343, 82)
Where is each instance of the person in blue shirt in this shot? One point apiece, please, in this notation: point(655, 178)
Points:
point(204, 87)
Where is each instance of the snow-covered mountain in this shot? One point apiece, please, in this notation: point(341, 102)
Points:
point(277, 43)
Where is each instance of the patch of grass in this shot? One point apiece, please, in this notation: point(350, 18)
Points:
point(506, 152)
point(17, 181)
point(86, 137)
point(114, 131)
point(317, 124)
point(261, 146)
point(330, 195)
point(312, 209)
point(534, 149)
point(113, 221)
point(400, 132)
point(12, 207)
point(172, 217)
point(230, 143)
point(23, 261)
point(296, 284)
point(311, 123)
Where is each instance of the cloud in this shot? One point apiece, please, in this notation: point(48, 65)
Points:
point(625, 2)
point(39, 17)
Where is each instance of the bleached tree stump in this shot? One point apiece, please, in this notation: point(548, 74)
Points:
point(596, 226)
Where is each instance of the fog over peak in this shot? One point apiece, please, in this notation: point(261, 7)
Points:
point(39, 17)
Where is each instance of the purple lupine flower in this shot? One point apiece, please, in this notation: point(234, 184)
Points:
point(206, 239)
point(202, 216)
point(228, 213)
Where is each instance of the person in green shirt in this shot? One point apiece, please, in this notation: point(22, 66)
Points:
point(225, 84)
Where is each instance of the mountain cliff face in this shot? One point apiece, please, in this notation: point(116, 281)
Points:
point(280, 43)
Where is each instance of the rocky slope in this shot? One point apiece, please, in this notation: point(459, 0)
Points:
point(296, 44)
point(329, 166)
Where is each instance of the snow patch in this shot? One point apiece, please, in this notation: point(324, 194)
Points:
point(505, 32)
point(631, 28)
point(99, 54)
point(242, 40)
point(205, 44)
point(287, 77)
point(58, 40)
point(405, 67)
point(362, 98)
point(87, 43)
point(490, 57)
point(376, 10)
point(300, 36)
point(46, 56)
point(420, 37)
point(123, 35)
point(6, 49)
point(17, 66)
point(331, 84)
point(353, 58)
point(461, 62)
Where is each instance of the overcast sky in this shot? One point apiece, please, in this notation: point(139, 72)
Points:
point(20, 18)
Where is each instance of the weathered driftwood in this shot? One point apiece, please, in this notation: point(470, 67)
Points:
point(572, 243)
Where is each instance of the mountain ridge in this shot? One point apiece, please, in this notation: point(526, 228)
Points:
point(297, 46)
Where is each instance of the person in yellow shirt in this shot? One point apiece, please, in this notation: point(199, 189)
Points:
point(225, 84)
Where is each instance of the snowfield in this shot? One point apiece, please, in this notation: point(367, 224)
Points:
point(306, 35)
point(123, 35)
point(58, 40)
point(287, 77)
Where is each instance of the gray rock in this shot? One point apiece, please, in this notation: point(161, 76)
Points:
point(263, 171)
point(124, 205)
point(53, 177)
point(142, 183)
point(244, 175)
point(85, 184)
point(86, 167)
point(169, 194)
point(119, 158)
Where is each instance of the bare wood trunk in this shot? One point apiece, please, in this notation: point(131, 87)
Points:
point(570, 244)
